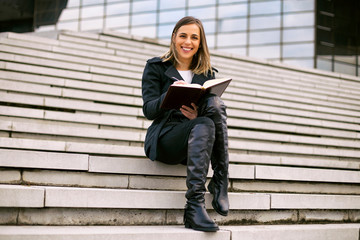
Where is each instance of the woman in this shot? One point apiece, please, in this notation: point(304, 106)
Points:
point(192, 136)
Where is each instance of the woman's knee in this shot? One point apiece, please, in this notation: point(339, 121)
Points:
point(214, 107)
point(205, 125)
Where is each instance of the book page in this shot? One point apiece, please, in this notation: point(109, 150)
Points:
point(214, 82)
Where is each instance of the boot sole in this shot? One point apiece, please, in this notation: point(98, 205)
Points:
point(202, 229)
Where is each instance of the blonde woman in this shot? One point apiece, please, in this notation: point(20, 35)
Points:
point(193, 136)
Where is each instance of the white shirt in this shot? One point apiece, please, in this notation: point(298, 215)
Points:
point(187, 75)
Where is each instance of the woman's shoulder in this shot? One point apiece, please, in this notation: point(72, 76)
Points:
point(155, 60)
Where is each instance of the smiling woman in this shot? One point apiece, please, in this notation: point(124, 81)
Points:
point(192, 136)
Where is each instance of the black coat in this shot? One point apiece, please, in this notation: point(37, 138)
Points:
point(156, 79)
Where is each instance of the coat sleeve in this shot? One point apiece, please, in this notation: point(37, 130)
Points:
point(151, 91)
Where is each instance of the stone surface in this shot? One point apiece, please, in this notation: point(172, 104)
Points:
point(8, 216)
point(10, 176)
point(44, 160)
point(107, 232)
point(296, 232)
point(323, 215)
point(21, 196)
point(81, 216)
point(307, 201)
point(75, 179)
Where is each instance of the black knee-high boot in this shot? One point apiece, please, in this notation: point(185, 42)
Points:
point(201, 140)
point(214, 108)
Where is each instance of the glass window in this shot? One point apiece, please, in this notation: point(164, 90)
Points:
point(91, 24)
point(299, 19)
point(149, 31)
point(299, 5)
point(166, 4)
point(209, 26)
point(265, 51)
point(267, 7)
point(73, 3)
point(237, 51)
point(265, 22)
point(228, 25)
point(345, 59)
point(118, 8)
point(234, 10)
point(324, 64)
point(201, 3)
point(298, 50)
point(93, 11)
point(165, 31)
point(231, 1)
point(90, 2)
point(231, 39)
point(344, 68)
point(142, 6)
point(297, 35)
point(73, 26)
point(308, 63)
point(114, 22)
point(265, 37)
point(143, 19)
point(69, 13)
point(171, 16)
point(210, 40)
point(203, 13)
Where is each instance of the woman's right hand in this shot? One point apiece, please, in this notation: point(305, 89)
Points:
point(180, 82)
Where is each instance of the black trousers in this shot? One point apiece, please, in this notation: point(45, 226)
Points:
point(173, 139)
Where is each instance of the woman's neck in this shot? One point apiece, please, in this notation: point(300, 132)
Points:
point(183, 66)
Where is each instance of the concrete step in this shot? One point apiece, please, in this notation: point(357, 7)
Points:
point(281, 232)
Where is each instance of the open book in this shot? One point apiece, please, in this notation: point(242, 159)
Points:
point(178, 95)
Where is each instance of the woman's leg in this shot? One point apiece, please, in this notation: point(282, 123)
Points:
point(199, 134)
point(214, 108)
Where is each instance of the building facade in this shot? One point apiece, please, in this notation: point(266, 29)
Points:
point(296, 32)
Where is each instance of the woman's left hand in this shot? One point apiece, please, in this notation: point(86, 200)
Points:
point(190, 113)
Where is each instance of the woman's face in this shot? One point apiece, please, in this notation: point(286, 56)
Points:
point(187, 42)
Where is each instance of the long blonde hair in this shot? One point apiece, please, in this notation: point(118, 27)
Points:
point(200, 63)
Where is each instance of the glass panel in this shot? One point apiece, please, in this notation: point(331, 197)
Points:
point(298, 50)
point(145, 31)
point(166, 4)
point(118, 8)
point(235, 10)
point(299, 5)
point(231, 39)
point(268, 7)
point(142, 19)
point(142, 6)
point(73, 26)
point(345, 59)
point(73, 3)
point(324, 64)
point(209, 27)
point(308, 63)
point(94, 11)
point(201, 2)
point(299, 19)
point(231, 1)
point(238, 51)
point(67, 14)
point(171, 16)
point(264, 37)
point(114, 22)
point(91, 24)
point(344, 68)
point(296, 35)
point(165, 31)
point(265, 22)
point(90, 2)
point(210, 40)
point(227, 25)
point(265, 51)
point(203, 13)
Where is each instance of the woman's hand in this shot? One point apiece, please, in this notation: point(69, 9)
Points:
point(190, 113)
point(180, 82)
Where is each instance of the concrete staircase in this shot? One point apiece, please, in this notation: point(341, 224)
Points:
point(71, 146)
